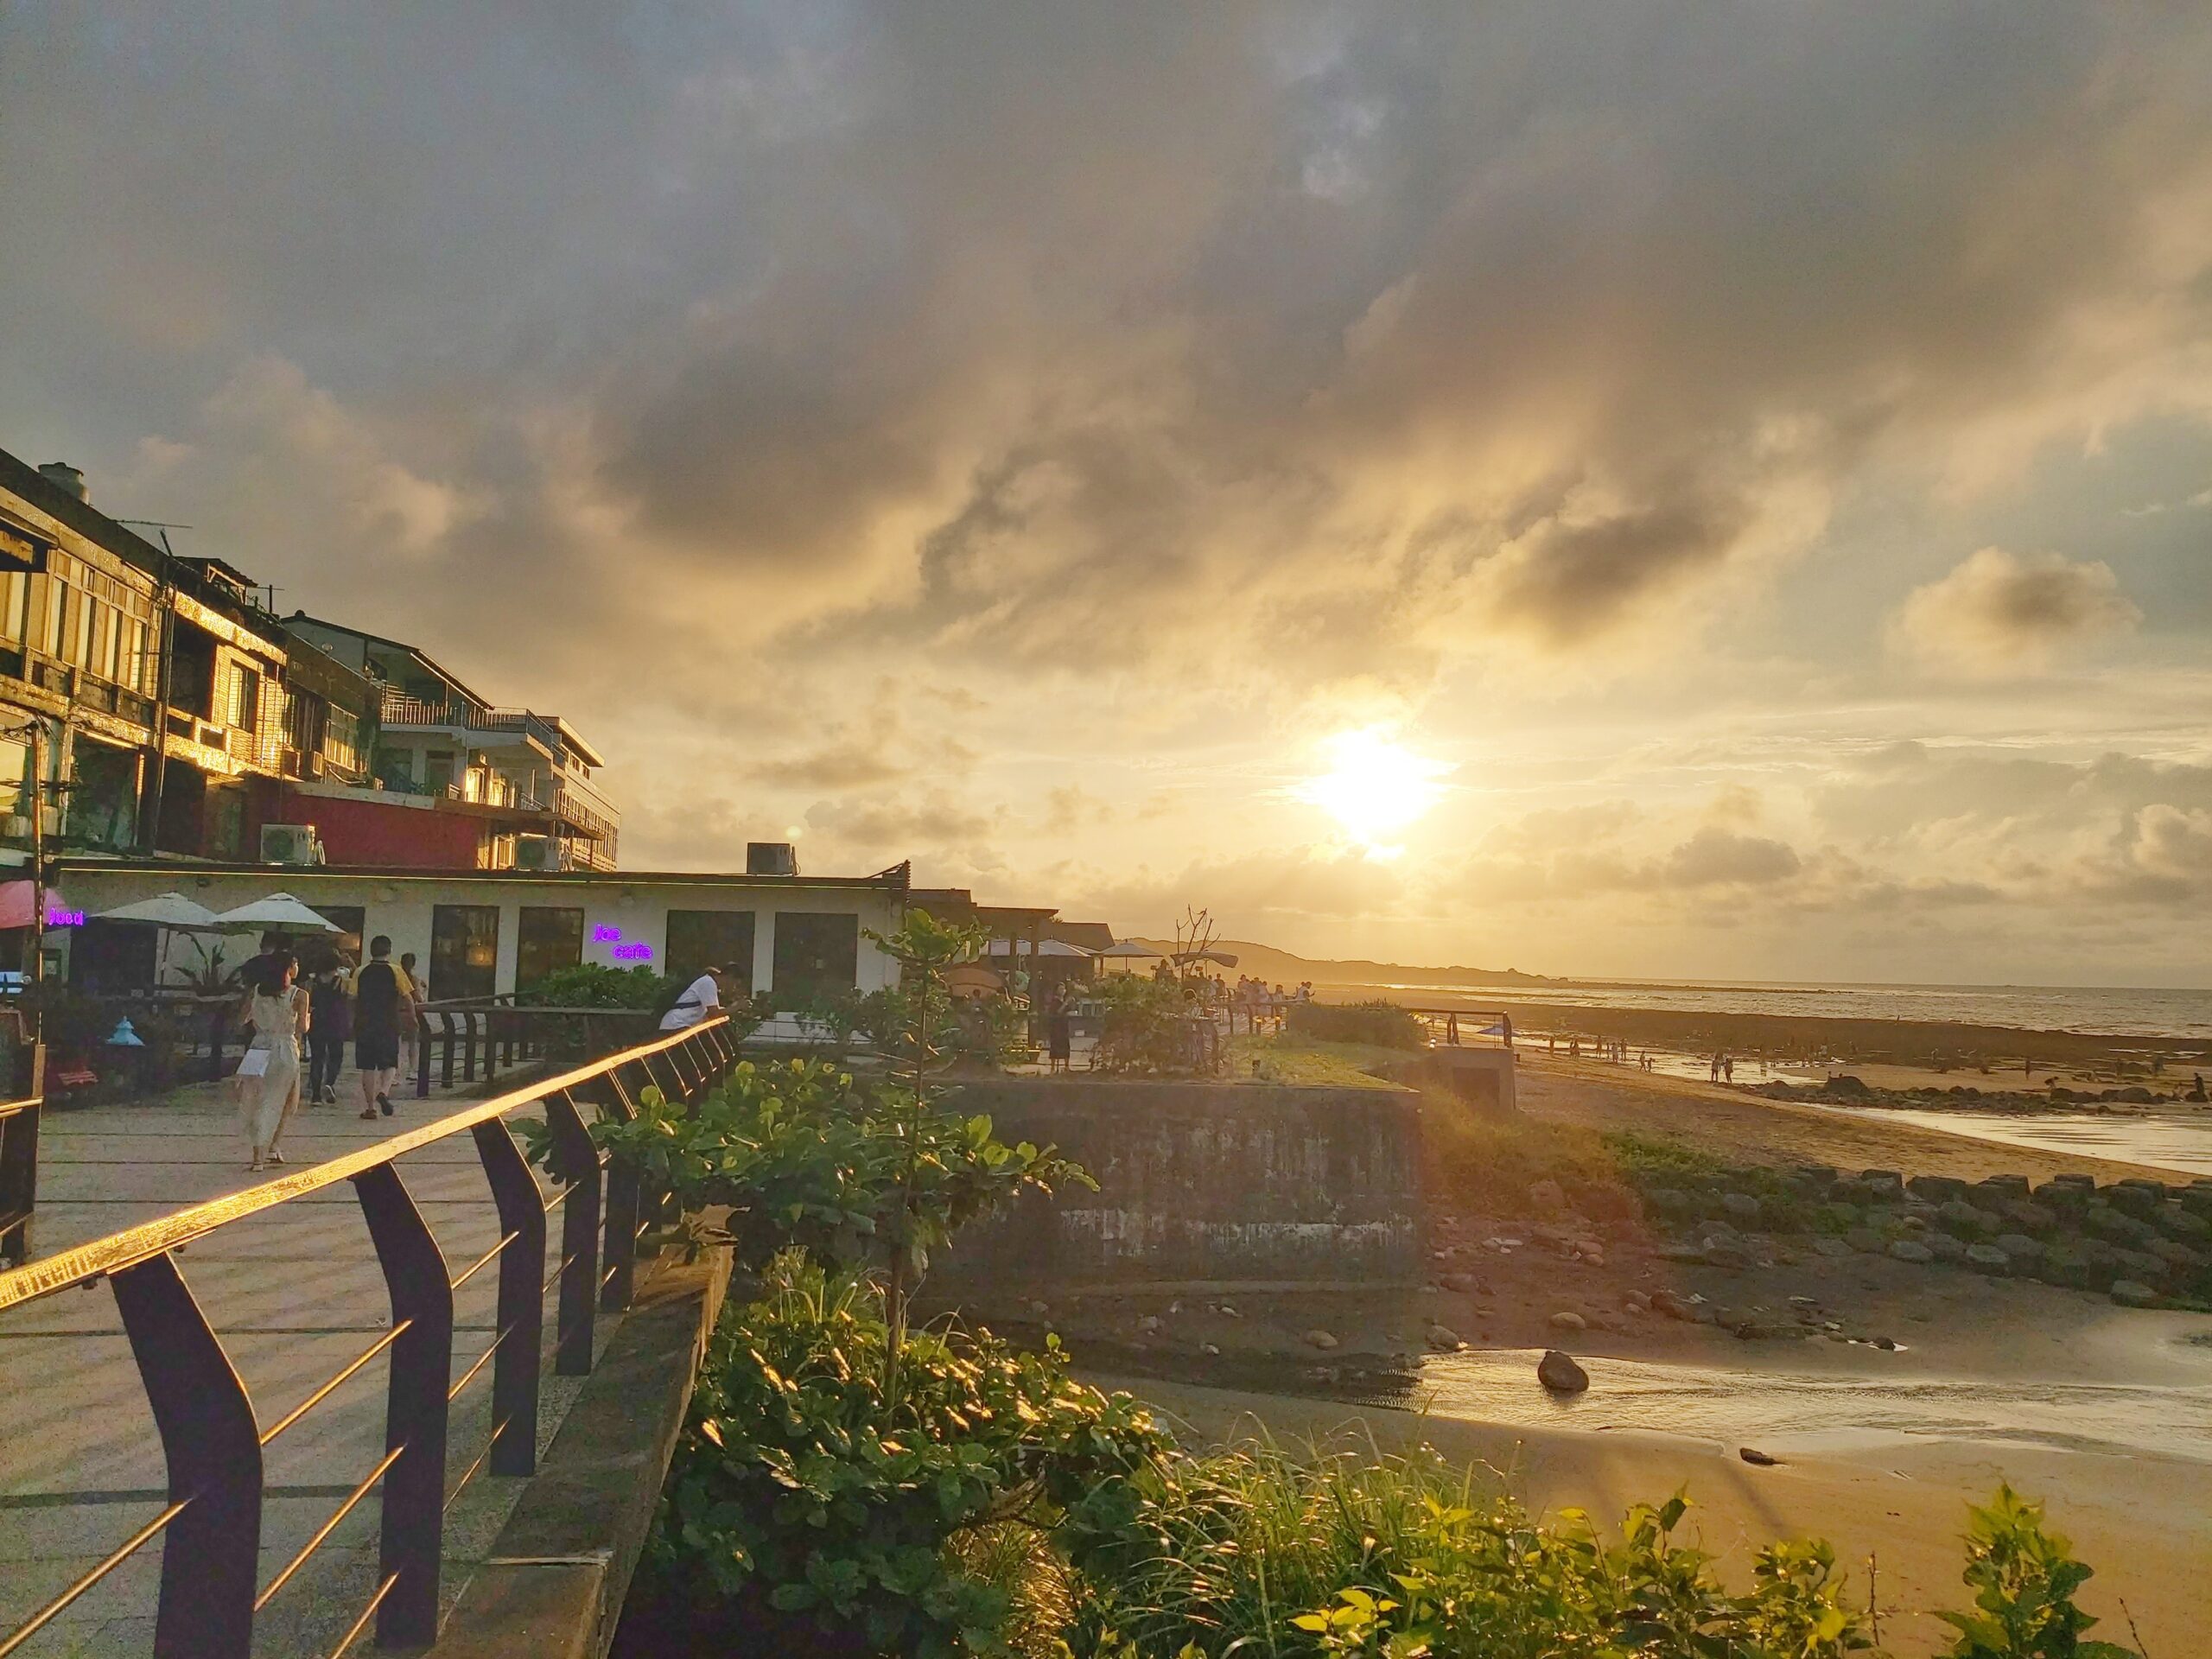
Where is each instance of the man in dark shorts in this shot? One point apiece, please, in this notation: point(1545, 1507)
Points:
point(381, 995)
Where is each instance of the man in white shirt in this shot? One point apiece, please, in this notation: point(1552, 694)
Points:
point(702, 1000)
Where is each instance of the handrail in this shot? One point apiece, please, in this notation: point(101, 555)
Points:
point(135, 1244)
point(209, 1430)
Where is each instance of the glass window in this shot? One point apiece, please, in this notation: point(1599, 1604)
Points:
point(52, 614)
point(464, 950)
point(549, 936)
point(711, 938)
point(15, 604)
point(246, 698)
point(815, 952)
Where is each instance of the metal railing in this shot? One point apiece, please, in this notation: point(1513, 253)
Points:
point(210, 1431)
point(18, 1176)
point(454, 1040)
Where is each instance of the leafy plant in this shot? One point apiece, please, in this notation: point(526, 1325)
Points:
point(802, 1488)
point(1143, 1028)
point(595, 985)
point(2023, 1577)
point(1381, 1023)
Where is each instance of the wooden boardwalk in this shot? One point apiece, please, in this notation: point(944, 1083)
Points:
point(295, 1293)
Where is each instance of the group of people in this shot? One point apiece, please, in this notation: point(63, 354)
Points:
point(292, 1022)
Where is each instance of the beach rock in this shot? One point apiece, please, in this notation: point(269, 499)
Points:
point(1443, 1338)
point(2177, 1222)
point(2136, 1197)
point(1865, 1240)
point(2065, 1194)
point(1149, 1324)
point(1944, 1247)
point(1675, 1306)
point(2062, 1266)
point(2175, 1254)
point(1906, 1250)
point(1637, 1301)
point(1568, 1319)
point(1741, 1205)
point(1846, 1087)
point(1212, 1350)
point(1851, 1190)
point(2028, 1216)
point(1825, 1244)
point(1558, 1372)
point(1998, 1189)
point(1886, 1184)
point(1461, 1284)
point(1839, 1217)
point(2140, 1266)
point(1988, 1258)
point(1324, 1340)
point(1757, 1458)
point(1725, 1253)
point(1680, 1253)
point(2025, 1253)
point(2127, 1293)
point(1817, 1178)
point(1937, 1189)
point(1967, 1220)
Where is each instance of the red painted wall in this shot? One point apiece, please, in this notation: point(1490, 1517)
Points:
point(377, 832)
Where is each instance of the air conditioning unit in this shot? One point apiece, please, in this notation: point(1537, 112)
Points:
point(536, 853)
point(289, 843)
point(771, 858)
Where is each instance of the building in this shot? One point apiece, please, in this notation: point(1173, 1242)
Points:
point(509, 787)
point(486, 932)
point(174, 710)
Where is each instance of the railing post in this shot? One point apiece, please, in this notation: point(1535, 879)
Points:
point(445, 1070)
point(422, 1057)
point(19, 1181)
point(622, 1199)
point(576, 1159)
point(414, 1413)
point(519, 1321)
point(212, 1446)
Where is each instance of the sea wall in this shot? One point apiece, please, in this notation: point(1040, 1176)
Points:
point(1201, 1182)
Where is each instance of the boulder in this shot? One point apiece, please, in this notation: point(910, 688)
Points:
point(1846, 1087)
point(1324, 1340)
point(2129, 1293)
point(1906, 1250)
point(1558, 1372)
point(1965, 1220)
point(2028, 1216)
point(1826, 1245)
point(1675, 1306)
point(1851, 1190)
point(1944, 1246)
point(2136, 1197)
point(1568, 1319)
point(1839, 1217)
point(1443, 1338)
point(1886, 1184)
point(2025, 1252)
point(2141, 1266)
point(1149, 1324)
point(1997, 1189)
point(1813, 1178)
point(2175, 1254)
point(2176, 1222)
point(1756, 1458)
point(1740, 1205)
point(1988, 1258)
point(1727, 1253)
point(1865, 1240)
point(1937, 1189)
point(2065, 1193)
point(2135, 1095)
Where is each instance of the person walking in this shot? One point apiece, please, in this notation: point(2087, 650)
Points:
point(269, 1075)
point(331, 1016)
point(381, 997)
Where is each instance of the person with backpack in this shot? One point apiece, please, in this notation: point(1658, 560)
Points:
point(383, 1000)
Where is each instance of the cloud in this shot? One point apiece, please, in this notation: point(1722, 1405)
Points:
point(1717, 857)
point(1999, 611)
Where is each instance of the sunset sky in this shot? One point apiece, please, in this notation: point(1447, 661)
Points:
point(1678, 490)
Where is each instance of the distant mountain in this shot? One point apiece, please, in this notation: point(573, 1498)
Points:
point(1283, 967)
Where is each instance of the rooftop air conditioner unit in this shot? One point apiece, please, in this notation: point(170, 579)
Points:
point(535, 852)
point(771, 858)
point(289, 843)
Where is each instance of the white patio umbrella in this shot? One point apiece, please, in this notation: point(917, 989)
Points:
point(167, 910)
point(1127, 948)
point(277, 910)
point(1045, 947)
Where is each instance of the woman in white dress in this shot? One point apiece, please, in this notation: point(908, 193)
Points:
point(268, 1076)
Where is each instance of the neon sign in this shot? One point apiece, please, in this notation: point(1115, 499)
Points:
point(64, 917)
point(633, 950)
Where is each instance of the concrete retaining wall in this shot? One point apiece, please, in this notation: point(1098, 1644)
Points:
point(1205, 1182)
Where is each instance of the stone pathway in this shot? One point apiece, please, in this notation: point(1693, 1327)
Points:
point(295, 1293)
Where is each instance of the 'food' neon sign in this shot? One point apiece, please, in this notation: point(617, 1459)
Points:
point(65, 918)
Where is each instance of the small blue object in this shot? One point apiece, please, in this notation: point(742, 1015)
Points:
point(124, 1037)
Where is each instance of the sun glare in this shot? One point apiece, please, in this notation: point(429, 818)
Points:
point(1374, 786)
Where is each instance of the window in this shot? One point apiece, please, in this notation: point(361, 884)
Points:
point(548, 937)
point(15, 605)
point(341, 738)
point(349, 919)
point(464, 950)
point(711, 938)
point(815, 952)
point(246, 698)
point(438, 770)
point(52, 615)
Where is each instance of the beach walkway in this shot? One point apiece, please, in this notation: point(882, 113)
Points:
point(295, 1292)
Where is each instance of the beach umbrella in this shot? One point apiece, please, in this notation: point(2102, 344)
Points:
point(277, 910)
point(16, 903)
point(168, 910)
point(1128, 947)
point(1223, 959)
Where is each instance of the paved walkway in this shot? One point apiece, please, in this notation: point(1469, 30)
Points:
point(295, 1293)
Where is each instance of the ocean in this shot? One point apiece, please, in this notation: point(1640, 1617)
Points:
point(2103, 1010)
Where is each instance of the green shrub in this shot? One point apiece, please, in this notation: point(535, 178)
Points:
point(800, 1489)
point(595, 985)
point(1144, 1029)
point(2023, 1577)
point(1378, 1024)
point(1254, 1550)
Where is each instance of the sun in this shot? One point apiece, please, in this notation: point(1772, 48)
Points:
point(1374, 786)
